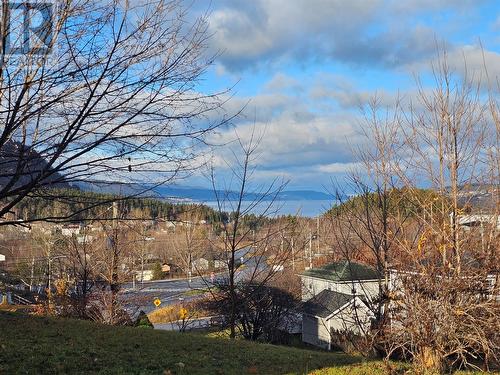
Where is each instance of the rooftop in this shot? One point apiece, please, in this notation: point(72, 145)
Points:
point(343, 271)
point(326, 303)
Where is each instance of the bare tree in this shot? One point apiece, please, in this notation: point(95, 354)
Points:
point(189, 242)
point(451, 268)
point(370, 218)
point(433, 248)
point(80, 253)
point(252, 257)
point(442, 268)
point(107, 95)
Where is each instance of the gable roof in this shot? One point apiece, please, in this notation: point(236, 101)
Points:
point(326, 303)
point(343, 271)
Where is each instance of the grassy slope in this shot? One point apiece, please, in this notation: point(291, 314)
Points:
point(30, 345)
point(46, 345)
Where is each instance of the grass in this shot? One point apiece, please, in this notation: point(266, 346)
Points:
point(42, 345)
point(194, 292)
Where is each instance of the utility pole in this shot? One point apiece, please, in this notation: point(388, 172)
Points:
point(32, 276)
point(317, 235)
point(143, 250)
point(310, 249)
point(114, 273)
point(293, 256)
point(281, 245)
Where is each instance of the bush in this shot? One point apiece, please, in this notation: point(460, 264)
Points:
point(158, 274)
point(143, 321)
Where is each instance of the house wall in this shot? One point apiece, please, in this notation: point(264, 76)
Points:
point(355, 318)
point(200, 264)
point(165, 268)
point(315, 331)
point(219, 264)
point(319, 332)
point(70, 231)
point(312, 286)
point(147, 275)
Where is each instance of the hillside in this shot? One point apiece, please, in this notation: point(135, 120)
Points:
point(80, 205)
point(36, 345)
point(47, 345)
point(34, 165)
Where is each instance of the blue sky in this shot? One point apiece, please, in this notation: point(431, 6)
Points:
point(305, 66)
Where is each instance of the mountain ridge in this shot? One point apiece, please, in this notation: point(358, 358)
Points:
point(195, 194)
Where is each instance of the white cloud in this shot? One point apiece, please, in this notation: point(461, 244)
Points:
point(366, 32)
point(282, 82)
point(345, 93)
point(338, 167)
point(287, 143)
point(473, 61)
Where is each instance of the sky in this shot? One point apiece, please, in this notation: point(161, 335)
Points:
point(302, 68)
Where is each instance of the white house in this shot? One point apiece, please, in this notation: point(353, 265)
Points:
point(144, 275)
point(467, 221)
point(71, 229)
point(200, 264)
point(335, 300)
point(343, 277)
point(330, 312)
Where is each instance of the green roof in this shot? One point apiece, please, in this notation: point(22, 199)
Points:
point(343, 271)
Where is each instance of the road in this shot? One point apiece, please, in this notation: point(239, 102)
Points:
point(141, 296)
point(168, 291)
point(192, 324)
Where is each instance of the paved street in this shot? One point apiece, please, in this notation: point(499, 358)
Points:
point(173, 291)
point(176, 326)
point(168, 291)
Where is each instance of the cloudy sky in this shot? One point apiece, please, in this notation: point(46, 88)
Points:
point(303, 67)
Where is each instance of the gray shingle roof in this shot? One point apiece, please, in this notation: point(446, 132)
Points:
point(326, 303)
point(344, 271)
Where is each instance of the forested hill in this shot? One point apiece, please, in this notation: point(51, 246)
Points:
point(73, 203)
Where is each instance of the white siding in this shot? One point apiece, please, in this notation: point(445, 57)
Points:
point(318, 331)
point(315, 331)
point(312, 286)
point(355, 318)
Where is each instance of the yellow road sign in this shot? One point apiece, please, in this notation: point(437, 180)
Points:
point(157, 302)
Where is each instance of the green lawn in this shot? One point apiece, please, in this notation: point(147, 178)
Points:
point(32, 345)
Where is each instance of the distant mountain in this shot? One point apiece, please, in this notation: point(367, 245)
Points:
point(23, 164)
point(198, 194)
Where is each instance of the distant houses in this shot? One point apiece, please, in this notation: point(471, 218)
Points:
point(480, 220)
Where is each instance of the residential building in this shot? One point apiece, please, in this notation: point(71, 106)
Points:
point(335, 300)
point(343, 277)
point(330, 312)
